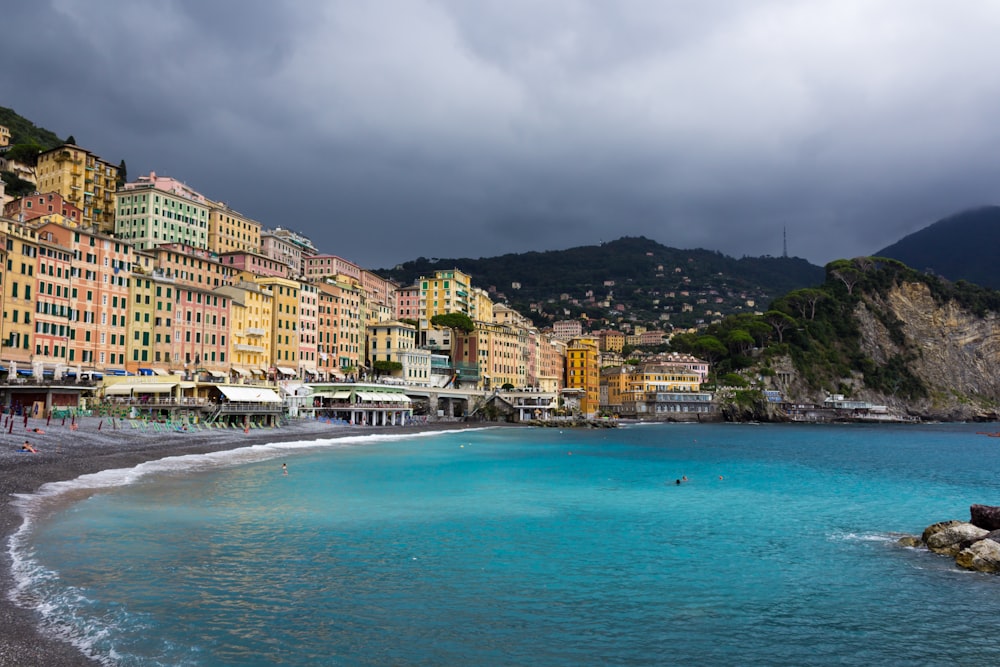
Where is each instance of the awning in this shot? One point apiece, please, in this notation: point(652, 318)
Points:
point(394, 398)
point(159, 371)
point(241, 371)
point(117, 371)
point(285, 370)
point(341, 395)
point(250, 394)
point(25, 371)
point(292, 389)
point(126, 388)
point(145, 371)
point(217, 374)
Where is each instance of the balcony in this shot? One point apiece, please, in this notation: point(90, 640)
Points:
point(255, 331)
point(241, 347)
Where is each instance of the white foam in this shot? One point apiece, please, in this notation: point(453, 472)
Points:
point(37, 587)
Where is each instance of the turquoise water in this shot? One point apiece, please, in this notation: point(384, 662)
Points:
point(527, 547)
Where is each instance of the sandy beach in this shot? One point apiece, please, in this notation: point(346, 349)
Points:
point(64, 453)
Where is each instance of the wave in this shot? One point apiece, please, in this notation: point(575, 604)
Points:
point(62, 608)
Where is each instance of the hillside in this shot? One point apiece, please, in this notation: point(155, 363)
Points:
point(632, 279)
point(955, 248)
point(23, 131)
point(875, 330)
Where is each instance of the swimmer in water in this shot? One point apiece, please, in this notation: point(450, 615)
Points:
point(284, 468)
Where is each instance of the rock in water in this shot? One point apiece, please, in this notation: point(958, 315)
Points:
point(937, 528)
point(985, 516)
point(982, 556)
point(948, 540)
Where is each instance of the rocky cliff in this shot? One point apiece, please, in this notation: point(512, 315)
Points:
point(954, 353)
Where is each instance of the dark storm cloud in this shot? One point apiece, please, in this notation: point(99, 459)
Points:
point(393, 129)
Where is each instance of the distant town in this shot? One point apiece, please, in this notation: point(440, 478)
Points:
point(152, 299)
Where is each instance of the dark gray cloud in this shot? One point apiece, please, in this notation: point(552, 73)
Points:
point(393, 129)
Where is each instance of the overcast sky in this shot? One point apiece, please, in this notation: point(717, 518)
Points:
point(386, 130)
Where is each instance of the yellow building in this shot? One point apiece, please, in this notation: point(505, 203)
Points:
point(251, 312)
point(615, 383)
point(231, 231)
point(583, 363)
point(498, 351)
point(654, 391)
point(84, 180)
point(144, 338)
point(20, 259)
point(396, 341)
point(447, 292)
point(481, 306)
point(284, 324)
point(611, 341)
point(4, 136)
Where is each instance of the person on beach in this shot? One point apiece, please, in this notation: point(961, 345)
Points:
point(26, 447)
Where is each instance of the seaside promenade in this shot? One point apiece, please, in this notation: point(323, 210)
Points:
point(95, 444)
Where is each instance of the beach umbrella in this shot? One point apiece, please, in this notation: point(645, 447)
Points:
point(100, 425)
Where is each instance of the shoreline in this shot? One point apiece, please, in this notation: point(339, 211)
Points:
point(96, 445)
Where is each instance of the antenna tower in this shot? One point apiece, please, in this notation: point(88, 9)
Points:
point(784, 238)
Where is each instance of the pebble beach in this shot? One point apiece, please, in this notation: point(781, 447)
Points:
point(67, 449)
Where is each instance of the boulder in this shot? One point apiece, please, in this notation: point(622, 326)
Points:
point(982, 556)
point(937, 528)
point(910, 541)
point(992, 535)
point(948, 541)
point(985, 516)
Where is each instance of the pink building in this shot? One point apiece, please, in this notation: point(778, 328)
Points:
point(408, 303)
point(30, 207)
point(318, 267)
point(258, 265)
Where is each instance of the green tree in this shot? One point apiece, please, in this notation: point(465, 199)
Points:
point(24, 153)
point(710, 348)
point(780, 322)
point(385, 367)
point(454, 321)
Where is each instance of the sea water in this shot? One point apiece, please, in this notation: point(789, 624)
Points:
point(515, 546)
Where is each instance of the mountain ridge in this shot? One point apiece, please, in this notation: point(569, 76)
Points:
point(954, 247)
point(649, 280)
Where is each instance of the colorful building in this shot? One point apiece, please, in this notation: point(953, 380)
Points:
point(84, 180)
point(583, 363)
point(308, 325)
point(251, 310)
point(231, 231)
point(99, 290)
point(396, 341)
point(20, 261)
point(284, 325)
point(32, 207)
point(157, 209)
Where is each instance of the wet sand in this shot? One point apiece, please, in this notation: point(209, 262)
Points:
point(99, 444)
